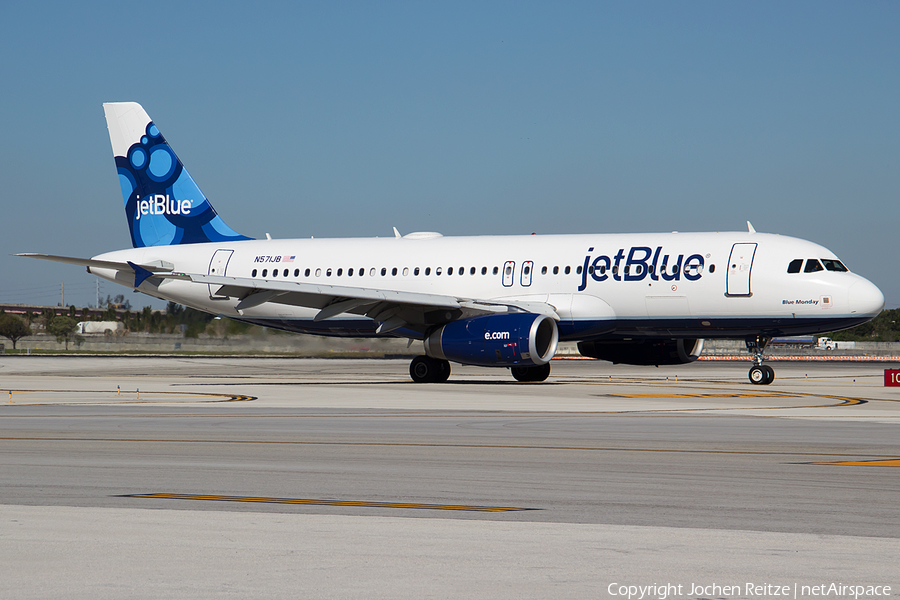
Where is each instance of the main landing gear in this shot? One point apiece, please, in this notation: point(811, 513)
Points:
point(424, 369)
point(531, 374)
point(759, 374)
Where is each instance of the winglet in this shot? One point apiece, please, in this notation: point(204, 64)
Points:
point(140, 274)
point(750, 228)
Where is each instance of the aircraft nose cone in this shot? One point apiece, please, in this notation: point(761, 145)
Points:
point(866, 298)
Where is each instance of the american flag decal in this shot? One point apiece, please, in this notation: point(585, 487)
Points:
point(288, 258)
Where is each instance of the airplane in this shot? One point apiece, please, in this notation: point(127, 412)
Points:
point(492, 301)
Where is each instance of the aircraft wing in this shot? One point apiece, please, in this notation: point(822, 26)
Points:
point(391, 309)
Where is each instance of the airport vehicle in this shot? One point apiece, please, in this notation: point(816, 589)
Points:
point(494, 301)
point(809, 341)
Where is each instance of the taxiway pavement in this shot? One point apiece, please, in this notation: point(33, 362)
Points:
point(205, 477)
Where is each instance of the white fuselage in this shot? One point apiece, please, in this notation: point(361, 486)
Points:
point(727, 284)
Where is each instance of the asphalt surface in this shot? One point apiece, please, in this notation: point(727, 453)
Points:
point(200, 477)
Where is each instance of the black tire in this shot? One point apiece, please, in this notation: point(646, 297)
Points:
point(758, 375)
point(770, 374)
point(519, 373)
point(531, 374)
point(443, 373)
point(424, 369)
point(540, 373)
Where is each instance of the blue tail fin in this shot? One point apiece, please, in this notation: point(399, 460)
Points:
point(163, 204)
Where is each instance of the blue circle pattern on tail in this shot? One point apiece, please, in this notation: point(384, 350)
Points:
point(163, 204)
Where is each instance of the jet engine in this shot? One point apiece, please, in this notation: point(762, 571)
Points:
point(517, 339)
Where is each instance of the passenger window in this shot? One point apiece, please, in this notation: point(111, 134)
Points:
point(834, 265)
point(383, 271)
point(578, 270)
point(508, 270)
point(556, 270)
point(394, 271)
point(339, 272)
point(496, 270)
point(527, 269)
point(543, 270)
point(350, 272)
point(253, 274)
point(450, 271)
point(627, 269)
point(484, 270)
point(274, 272)
point(416, 271)
point(296, 272)
point(285, 274)
point(472, 271)
point(405, 271)
point(462, 270)
point(794, 266)
point(602, 269)
point(812, 266)
point(362, 271)
point(568, 270)
point(265, 271)
point(437, 271)
point(328, 273)
point(712, 268)
point(428, 270)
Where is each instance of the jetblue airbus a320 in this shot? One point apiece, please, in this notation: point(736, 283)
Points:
point(492, 301)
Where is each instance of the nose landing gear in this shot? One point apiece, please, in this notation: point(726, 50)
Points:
point(759, 374)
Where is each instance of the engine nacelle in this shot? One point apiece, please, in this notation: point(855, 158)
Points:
point(644, 352)
point(518, 339)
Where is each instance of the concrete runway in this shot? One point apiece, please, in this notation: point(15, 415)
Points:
point(250, 477)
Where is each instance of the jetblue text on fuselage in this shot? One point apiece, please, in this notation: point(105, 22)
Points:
point(638, 265)
point(161, 205)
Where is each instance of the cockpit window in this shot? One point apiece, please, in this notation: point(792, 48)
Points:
point(795, 265)
point(832, 264)
point(812, 265)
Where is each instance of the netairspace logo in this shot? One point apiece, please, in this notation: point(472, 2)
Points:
point(766, 590)
point(162, 205)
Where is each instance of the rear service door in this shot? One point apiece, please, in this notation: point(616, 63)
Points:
point(740, 264)
point(217, 266)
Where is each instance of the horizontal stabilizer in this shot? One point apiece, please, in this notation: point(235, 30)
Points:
point(156, 269)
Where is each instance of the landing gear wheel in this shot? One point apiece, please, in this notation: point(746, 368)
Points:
point(761, 375)
point(424, 369)
point(443, 373)
point(531, 373)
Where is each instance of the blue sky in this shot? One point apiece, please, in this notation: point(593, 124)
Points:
point(345, 119)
